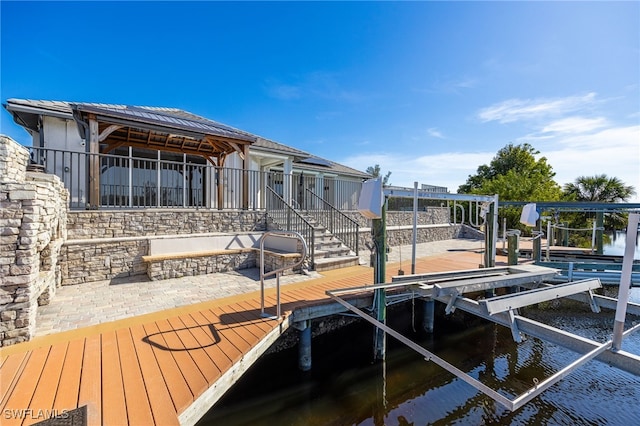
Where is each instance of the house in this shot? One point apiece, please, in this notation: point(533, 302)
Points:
point(119, 156)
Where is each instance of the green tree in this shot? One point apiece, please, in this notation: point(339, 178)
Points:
point(376, 173)
point(515, 175)
point(598, 188)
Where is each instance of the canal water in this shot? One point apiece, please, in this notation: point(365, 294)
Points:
point(617, 242)
point(346, 388)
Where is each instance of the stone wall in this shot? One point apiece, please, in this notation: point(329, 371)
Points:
point(148, 222)
point(33, 218)
point(201, 265)
point(108, 244)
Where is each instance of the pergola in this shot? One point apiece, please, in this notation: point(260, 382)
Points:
point(108, 127)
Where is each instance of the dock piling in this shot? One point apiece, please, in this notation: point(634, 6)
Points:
point(428, 316)
point(304, 345)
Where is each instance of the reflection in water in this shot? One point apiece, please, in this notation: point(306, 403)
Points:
point(345, 387)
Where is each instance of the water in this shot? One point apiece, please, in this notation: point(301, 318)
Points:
point(617, 243)
point(346, 388)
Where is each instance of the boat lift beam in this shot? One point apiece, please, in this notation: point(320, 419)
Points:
point(503, 310)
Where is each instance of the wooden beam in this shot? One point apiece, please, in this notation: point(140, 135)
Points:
point(106, 132)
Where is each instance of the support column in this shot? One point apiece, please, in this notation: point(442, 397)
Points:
point(287, 180)
point(304, 345)
point(94, 164)
point(513, 249)
point(625, 281)
point(599, 232)
point(245, 177)
point(380, 308)
point(429, 315)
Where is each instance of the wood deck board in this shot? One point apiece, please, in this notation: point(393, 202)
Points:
point(221, 343)
point(162, 407)
point(150, 371)
point(114, 406)
point(22, 393)
point(90, 393)
point(204, 335)
point(11, 369)
point(47, 386)
point(176, 383)
point(69, 386)
point(244, 340)
point(190, 371)
point(135, 391)
point(239, 318)
point(203, 362)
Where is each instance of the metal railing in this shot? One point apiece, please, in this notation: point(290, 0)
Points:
point(147, 179)
point(288, 219)
point(278, 272)
point(339, 224)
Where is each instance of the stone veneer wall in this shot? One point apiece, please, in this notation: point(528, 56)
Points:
point(109, 244)
point(33, 217)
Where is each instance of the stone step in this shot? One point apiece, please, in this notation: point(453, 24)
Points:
point(332, 252)
point(329, 263)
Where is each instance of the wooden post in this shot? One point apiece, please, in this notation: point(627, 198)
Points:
point(513, 249)
point(489, 234)
point(94, 164)
point(599, 232)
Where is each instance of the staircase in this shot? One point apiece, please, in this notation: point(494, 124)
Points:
point(326, 250)
point(330, 252)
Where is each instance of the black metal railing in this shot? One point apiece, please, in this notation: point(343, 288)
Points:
point(288, 219)
point(133, 178)
point(339, 224)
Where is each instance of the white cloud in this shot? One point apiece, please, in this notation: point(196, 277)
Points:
point(575, 125)
point(435, 133)
point(446, 169)
point(518, 109)
point(613, 151)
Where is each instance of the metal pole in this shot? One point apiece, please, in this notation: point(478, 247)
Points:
point(415, 227)
point(625, 281)
point(380, 307)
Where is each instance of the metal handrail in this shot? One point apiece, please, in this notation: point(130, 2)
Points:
point(277, 272)
point(290, 214)
point(346, 234)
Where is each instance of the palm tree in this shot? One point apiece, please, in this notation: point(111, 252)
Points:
point(376, 173)
point(599, 188)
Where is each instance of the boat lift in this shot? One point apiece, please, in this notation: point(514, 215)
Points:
point(527, 285)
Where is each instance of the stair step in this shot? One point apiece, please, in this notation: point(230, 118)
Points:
point(329, 263)
point(332, 252)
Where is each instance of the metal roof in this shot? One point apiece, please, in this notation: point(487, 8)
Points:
point(174, 118)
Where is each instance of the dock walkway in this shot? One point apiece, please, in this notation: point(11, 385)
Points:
point(164, 367)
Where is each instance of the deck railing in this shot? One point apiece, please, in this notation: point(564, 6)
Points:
point(339, 224)
point(155, 179)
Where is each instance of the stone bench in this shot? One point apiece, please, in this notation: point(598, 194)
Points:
point(189, 255)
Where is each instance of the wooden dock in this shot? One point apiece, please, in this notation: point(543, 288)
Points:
point(167, 367)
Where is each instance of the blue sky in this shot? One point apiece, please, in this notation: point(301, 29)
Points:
point(428, 90)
